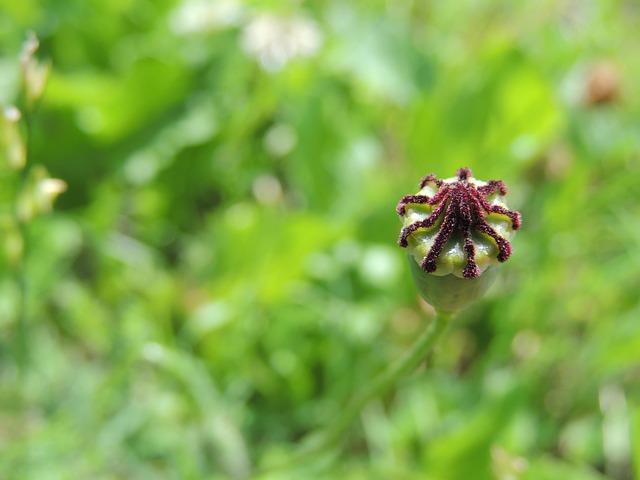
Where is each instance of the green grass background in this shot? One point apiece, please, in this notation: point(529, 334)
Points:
point(222, 273)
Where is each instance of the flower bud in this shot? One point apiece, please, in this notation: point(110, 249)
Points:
point(34, 73)
point(456, 232)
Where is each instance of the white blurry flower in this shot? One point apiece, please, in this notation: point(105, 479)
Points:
point(202, 16)
point(274, 41)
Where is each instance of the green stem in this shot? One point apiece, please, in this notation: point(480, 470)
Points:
point(388, 378)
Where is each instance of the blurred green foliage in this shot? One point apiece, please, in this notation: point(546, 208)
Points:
point(221, 274)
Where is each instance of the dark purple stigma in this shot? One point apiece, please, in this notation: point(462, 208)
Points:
point(463, 207)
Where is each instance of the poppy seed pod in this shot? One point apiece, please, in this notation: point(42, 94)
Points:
point(456, 232)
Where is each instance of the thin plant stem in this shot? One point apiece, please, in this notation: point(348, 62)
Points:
point(319, 442)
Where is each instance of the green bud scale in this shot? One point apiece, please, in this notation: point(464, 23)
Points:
point(456, 231)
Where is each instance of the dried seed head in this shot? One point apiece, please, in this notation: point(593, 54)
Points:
point(458, 226)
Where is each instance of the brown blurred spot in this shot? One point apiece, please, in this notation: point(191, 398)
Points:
point(603, 84)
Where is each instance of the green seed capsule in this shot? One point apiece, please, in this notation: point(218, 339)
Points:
point(456, 232)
